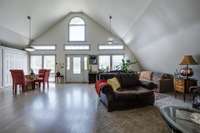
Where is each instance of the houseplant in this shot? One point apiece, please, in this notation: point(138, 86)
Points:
point(124, 66)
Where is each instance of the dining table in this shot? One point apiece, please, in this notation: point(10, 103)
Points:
point(30, 82)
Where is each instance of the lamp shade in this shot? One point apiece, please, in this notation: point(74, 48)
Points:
point(188, 60)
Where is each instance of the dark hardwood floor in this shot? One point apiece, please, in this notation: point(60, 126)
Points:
point(67, 108)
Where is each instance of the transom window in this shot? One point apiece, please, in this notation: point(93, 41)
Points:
point(77, 29)
point(111, 47)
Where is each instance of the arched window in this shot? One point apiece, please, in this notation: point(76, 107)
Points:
point(77, 29)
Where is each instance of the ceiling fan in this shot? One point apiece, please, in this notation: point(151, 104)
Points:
point(29, 48)
point(110, 39)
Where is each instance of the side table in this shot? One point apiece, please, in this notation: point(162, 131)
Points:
point(183, 85)
point(59, 79)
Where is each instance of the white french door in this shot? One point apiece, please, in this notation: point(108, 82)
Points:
point(77, 68)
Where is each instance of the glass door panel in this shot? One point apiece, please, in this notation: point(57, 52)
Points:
point(36, 63)
point(76, 65)
point(49, 63)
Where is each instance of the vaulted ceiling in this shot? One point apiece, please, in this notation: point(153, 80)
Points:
point(45, 13)
point(159, 32)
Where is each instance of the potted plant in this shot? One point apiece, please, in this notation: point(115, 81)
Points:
point(124, 66)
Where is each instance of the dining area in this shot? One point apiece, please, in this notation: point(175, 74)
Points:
point(29, 82)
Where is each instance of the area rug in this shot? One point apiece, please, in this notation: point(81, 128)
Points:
point(159, 96)
point(139, 120)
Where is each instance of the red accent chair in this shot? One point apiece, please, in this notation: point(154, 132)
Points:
point(18, 78)
point(43, 77)
point(99, 84)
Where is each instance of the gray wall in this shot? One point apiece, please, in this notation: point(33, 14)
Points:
point(166, 31)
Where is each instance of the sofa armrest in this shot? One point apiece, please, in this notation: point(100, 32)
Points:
point(107, 97)
point(148, 84)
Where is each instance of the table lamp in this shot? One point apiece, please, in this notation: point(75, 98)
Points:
point(187, 60)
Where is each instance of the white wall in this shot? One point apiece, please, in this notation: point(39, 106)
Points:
point(11, 59)
point(95, 34)
point(12, 37)
point(1, 67)
point(166, 31)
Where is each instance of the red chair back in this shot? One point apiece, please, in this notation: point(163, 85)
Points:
point(41, 73)
point(17, 76)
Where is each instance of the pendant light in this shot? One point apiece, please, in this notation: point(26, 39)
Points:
point(110, 39)
point(29, 48)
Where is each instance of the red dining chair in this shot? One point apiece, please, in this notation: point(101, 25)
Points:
point(43, 77)
point(18, 79)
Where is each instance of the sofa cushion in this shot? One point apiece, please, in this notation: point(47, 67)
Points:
point(114, 83)
point(130, 93)
point(148, 84)
point(129, 80)
point(146, 75)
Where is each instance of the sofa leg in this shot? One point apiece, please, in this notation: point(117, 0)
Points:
point(110, 107)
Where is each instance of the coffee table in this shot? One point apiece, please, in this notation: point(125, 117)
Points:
point(182, 120)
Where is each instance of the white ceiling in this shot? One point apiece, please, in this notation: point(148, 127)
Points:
point(45, 13)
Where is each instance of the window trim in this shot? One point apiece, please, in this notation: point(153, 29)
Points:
point(77, 25)
point(110, 45)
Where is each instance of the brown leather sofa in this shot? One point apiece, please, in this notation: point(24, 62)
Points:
point(133, 92)
point(163, 81)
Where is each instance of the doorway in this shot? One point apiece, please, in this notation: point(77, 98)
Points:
point(76, 68)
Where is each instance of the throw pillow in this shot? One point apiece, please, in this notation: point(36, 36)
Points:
point(114, 83)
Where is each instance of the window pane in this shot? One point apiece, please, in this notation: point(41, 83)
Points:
point(49, 63)
point(76, 65)
point(77, 47)
point(68, 63)
point(85, 63)
point(104, 62)
point(36, 63)
point(108, 47)
point(44, 47)
point(116, 61)
point(77, 33)
point(77, 21)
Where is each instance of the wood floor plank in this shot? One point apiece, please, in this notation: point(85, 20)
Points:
point(67, 108)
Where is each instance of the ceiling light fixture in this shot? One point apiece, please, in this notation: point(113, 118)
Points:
point(29, 48)
point(110, 39)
